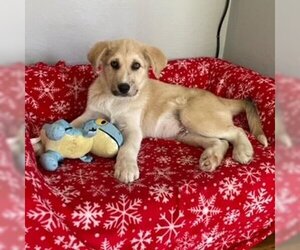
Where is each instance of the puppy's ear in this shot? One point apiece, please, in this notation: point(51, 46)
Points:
point(97, 53)
point(156, 59)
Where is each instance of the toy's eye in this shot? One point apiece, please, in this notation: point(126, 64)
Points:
point(69, 128)
point(103, 122)
point(135, 66)
point(115, 65)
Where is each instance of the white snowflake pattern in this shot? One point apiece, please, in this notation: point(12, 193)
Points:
point(52, 179)
point(226, 241)
point(107, 173)
point(268, 223)
point(169, 225)
point(192, 75)
point(186, 242)
point(65, 167)
point(87, 215)
point(163, 159)
point(248, 235)
point(249, 175)
point(40, 73)
point(123, 213)
point(229, 188)
point(161, 192)
point(61, 107)
point(220, 85)
point(177, 79)
point(198, 174)
point(210, 238)
point(230, 91)
point(30, 160)
point(187, 160)
point(160, 150)
point(75, 88)
point(268, 167)
point(228, 163)
point(256, 202)
point(30, 117)
point(143, 157)
point(161, 173)
point(69, 242)
point(29, 100)
point(142, 240)
point(244, 90)
point(182, 64)
point(270, 105)
point(66, 193)
point(188, 186)
point(62, 76)
point(231, 217)
point(45, 214)
point(35, 181)
point(203, 68)
point(82, 176)
point(99, 190)
point(244, 77)
point(46, 90)
point(205, 210)
point(131, 186)
point(106, 245)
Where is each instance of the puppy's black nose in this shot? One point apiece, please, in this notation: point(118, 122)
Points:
point(124, 88)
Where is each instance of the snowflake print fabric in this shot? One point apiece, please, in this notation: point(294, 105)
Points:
point(173, 205)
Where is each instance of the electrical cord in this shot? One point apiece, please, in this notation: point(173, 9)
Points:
point(220, 27)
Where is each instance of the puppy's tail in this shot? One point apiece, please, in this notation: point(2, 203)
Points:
point(253, 118)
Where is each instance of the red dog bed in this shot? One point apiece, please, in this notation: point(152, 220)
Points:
point(173, 205)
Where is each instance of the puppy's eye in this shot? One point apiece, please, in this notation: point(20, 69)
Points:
point(135, 66)
point(115, 64)
point(68, 128)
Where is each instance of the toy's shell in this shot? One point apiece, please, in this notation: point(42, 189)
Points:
point(70, 146)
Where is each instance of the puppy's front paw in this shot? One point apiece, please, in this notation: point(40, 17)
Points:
point(126, 171)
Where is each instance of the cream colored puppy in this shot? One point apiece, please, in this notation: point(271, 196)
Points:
point(142, 107)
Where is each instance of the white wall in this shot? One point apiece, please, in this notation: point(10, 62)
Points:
point(250, 39)
point(12, 30)
point(57, 29)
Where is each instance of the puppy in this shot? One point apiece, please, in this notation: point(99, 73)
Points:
point(142, 107)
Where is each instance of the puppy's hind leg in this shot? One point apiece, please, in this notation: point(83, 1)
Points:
point(214, 152)
point(210, 123)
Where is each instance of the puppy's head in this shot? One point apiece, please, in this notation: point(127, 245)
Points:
point(125, 64)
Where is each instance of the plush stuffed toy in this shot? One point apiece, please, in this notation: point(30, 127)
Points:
point(61, 140)
point(106, 137)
